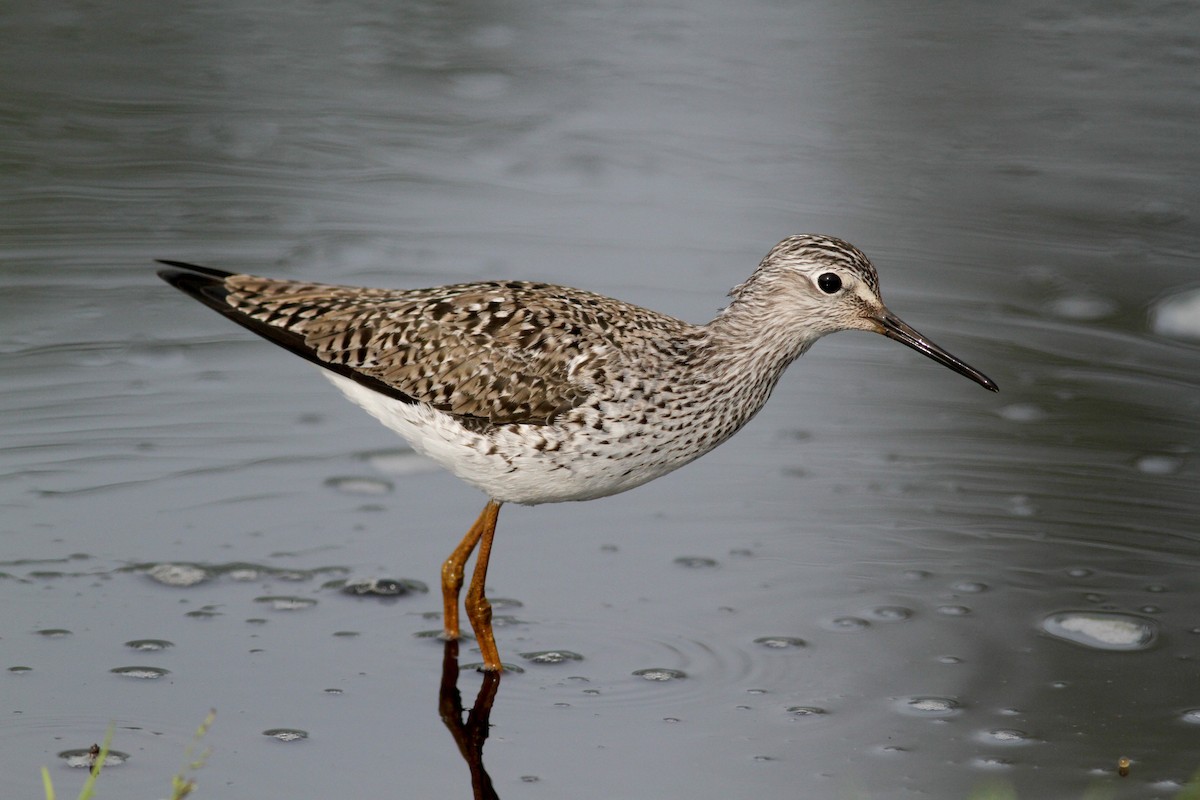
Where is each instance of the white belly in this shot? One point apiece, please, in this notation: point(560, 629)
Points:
point(508, 465)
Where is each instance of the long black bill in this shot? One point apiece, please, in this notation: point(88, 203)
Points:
point(895, 328)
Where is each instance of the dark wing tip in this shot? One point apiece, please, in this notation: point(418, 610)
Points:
point(208, 286)
point(196, 268)
point(203, 283)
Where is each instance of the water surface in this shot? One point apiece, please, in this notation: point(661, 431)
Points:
point(890, 584)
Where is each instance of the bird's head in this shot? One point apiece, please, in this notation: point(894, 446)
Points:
point(815, 285)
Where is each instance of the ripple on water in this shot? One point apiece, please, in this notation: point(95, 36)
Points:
point(551, 656)
point(141, 673)
point(890, 613)
point(1177, 316)
point(696, 562)
point(359, 486)
point(660, 674)
point(1102, 630)
point(1009, 737)
point(845, 624)
point(1158, 464)
point(781, 642)
point(286, 603)
point(376, 587)
point(806, 712)
point(149, 645)
point(928, 706)
point(1083, 307)
point(286, 734)
point(178, 574)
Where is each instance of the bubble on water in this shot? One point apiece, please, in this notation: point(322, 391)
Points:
point(530, 779)
point(204, 612)
point(780, 642)
point(551, 656)
point(1102, 630)
point(1158, 464)
point(379, 587)
point(890, 613)
point(346, 634)
point(949, 660)
point(953, 611)
point(359, 486)
point(1192, 716)
point(149, 645)
point(969, 587)
point(334, 691)
point(696, 562)
point(661, 674)
point(53, 633)
point(916, 574)
point(286, 734)
point(1079, 572)
point(1177, 316)
point(1006, 736)
point(807, 711)
point(244, 574)
point(846, 624)
point(929, 706)
point(178, 574)
point(992, 762)
point(141, 673)
point(287, 603)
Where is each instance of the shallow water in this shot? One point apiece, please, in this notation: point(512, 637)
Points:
point(890, 584)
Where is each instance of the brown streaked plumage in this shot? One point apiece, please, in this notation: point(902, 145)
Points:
point(537, 393)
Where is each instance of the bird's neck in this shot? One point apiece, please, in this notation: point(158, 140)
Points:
point(754, 335)
point(741, 355)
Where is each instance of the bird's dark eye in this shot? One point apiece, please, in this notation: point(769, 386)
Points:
point(829, 282)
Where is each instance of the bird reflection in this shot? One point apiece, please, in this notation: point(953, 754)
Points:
point(471, 733)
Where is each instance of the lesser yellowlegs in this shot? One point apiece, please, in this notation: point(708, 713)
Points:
point(538, 394)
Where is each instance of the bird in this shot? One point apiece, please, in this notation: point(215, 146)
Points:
point(536, 393)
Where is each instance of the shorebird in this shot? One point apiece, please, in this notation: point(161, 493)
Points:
point(537, 393)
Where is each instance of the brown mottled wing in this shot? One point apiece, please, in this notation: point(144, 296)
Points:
point(496, 352)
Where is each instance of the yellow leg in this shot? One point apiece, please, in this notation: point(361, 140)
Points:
point(479, 611)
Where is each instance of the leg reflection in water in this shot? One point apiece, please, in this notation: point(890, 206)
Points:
point(471, 733)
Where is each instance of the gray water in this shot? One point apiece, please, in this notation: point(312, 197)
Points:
point(960, 592)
